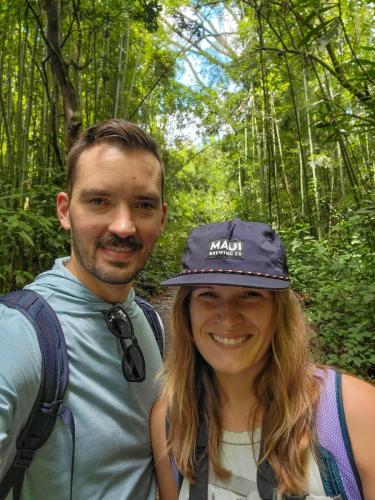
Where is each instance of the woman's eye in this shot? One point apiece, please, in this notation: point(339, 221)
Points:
point(204, 294)
point(251, 295)
point(208, 295)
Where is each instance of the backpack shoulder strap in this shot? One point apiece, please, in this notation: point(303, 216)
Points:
point(154, 322)
point(337, 466)
point(54, 379)
point(266, 479)
point(199, 489)
point(267, 482)
point(178, 477)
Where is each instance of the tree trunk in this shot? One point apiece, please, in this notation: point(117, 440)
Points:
point(60, 70)
point(312, 159)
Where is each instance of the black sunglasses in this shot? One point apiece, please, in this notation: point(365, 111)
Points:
point(133, 362)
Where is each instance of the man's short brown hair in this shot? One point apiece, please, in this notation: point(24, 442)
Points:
point(123, 134)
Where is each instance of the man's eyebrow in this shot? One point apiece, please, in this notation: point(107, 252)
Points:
point(149, 196)
point(94, 192)
point(87, 192)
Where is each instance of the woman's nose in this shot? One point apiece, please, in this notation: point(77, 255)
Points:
point(228, 315)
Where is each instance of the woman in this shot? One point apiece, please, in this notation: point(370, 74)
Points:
point(248, 415)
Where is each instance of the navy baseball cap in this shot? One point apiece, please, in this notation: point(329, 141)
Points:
point(235, 252)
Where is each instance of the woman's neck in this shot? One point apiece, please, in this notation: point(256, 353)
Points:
point(241, 410)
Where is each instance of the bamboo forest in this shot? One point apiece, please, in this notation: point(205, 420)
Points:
point(262, 109)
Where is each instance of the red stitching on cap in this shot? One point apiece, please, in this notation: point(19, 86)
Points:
point(230, 271)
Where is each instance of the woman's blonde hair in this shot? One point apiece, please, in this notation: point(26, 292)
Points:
point(286, 388)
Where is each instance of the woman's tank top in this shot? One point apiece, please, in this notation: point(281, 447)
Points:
point(239, 452)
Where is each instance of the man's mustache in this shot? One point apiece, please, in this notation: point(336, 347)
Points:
point(128, 243)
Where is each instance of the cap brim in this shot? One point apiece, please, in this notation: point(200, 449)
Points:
point(227, 279)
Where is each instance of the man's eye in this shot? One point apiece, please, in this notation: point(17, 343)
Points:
point(146, 205)
point(97, 202)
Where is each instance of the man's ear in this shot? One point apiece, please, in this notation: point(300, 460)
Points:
point(164, 216)
point(62, 207)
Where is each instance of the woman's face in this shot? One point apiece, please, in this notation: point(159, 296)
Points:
point(232, 327)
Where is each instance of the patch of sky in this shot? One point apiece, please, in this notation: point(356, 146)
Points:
point(207, 39)
point(184, 127)
point(198, 72)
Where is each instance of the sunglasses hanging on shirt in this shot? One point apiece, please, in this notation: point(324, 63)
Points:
point(133, 361)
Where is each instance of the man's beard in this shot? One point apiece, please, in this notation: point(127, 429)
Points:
point(113, 242)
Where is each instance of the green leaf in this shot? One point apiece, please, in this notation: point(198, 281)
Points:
point(26, 238)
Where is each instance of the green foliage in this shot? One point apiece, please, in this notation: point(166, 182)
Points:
point(29, 244)
point(30, 239)
point(336, 279)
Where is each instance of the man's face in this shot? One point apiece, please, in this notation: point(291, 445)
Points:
point(115, 214)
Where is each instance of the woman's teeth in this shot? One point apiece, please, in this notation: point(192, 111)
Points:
point(230, 340)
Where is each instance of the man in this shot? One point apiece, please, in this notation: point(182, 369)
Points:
point(114, 211)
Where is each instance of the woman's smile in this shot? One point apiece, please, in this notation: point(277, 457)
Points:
point(232, 341)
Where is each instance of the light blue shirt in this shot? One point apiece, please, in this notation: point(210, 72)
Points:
point(113, 457)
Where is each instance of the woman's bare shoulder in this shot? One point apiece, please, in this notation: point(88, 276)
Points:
point(359, 405)
point(359, 397)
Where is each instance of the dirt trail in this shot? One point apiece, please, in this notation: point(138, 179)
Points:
point(163, 304)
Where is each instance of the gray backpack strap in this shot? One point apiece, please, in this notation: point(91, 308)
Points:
point(267, 482)
point(199, 490)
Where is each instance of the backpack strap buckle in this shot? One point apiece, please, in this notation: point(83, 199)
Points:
point(51, 409)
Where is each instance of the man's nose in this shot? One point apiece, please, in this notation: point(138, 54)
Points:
point(122, 222)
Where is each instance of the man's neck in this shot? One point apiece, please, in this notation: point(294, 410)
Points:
point(114, 294)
